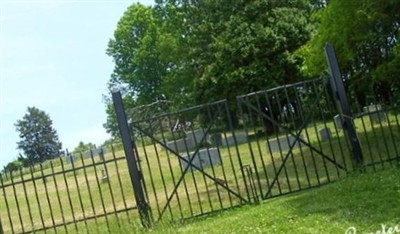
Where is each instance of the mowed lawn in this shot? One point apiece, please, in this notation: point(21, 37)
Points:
point(71, 194)
point(363, 202)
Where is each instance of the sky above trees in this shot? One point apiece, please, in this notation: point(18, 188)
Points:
point(52, 56)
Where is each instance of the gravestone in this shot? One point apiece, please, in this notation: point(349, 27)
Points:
point(180, 145)
point(282, 143)
point(375, 112)
point(204, 158)
point(104, 176)
point(96, 152)
point(196, 136)
point(101, 154)
point(70, 159)
point(338, 122)
point(229, 140)
point(325, 134)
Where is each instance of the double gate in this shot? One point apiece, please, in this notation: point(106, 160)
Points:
point(208, 158)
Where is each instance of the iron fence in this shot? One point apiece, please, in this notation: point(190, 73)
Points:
point(378, 129)
point(208, 158)
point(64, 194)
point(204, 159)
point(191, 162)
point(295, 144)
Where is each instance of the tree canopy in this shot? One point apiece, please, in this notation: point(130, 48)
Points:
point(192, 52)
point(249, 46)
point(365, 35)
point(39, 140)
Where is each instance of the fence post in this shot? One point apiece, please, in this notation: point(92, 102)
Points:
point(129, 144)
point(342, 104)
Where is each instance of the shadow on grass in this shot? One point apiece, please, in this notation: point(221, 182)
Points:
point(363, 200)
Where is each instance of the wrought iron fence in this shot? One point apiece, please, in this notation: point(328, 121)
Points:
point(378, 129)
point(66, 193)
point(207, 158)
point(204, 159)
point(190, 162)
point(295, 144)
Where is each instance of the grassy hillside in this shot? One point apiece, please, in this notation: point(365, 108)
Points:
point(69, 192)
point(363, 201)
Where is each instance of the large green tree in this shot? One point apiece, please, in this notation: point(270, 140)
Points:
point(365, 35)
point(39, 140)
point(245, 46)
point(148, 56)
point(192, 52)
point(134, 53)
point(149, 60)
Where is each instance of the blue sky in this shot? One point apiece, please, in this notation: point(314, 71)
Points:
point(52, 56)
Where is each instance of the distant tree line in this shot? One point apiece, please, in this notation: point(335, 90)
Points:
point(39, 141)
point(82, 147)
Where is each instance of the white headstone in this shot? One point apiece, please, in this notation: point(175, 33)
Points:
point(325, 134)
point(230, 140)
point(338, 121)
point(104, 176)
point(203, 158)
point(180, 145)
point(282, 143)
point(375, 113)
point(196, 136)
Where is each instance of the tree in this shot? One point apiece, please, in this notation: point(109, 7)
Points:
point(39, 140)
point(134, 49)
point(192, 52)
point(365, 35)
point(246, 46)
point(111, 124)
point(149, 61)
point(12, 166)
point(83, 147)
point(17, 164)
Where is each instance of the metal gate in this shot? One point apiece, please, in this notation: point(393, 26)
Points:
point(296, 145)
point(188, 162)
point(198, 160)
point(305, 135)
point(282, 140)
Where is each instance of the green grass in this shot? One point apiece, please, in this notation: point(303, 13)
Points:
point(374, 140)
point(364, 201)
